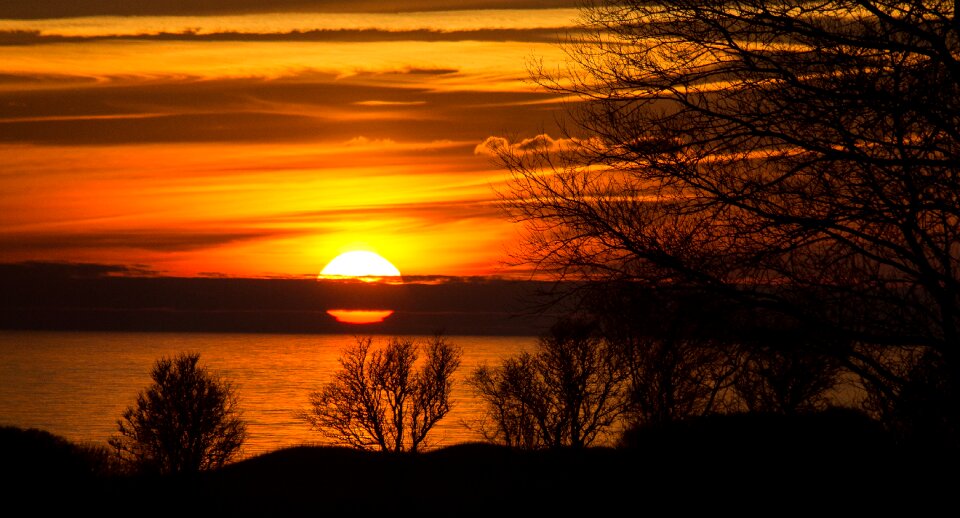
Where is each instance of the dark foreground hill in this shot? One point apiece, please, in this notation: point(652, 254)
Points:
point(745, 465)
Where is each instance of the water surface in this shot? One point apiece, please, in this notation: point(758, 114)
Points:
point(78, 384)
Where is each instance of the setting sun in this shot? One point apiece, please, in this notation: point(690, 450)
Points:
point(359, 264)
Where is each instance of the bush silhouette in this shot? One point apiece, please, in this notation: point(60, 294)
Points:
point(187, 421)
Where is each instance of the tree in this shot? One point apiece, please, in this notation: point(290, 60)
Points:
point(380, 400)
point(187, 421)
point(799, 157)
point(568, 393)
point(923, 407)
point(515, 402)
point(677, 349)
point(784, 381)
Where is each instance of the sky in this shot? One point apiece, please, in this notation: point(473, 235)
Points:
point(213, 137)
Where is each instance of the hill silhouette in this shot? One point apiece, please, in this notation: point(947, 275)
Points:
point(746, 464)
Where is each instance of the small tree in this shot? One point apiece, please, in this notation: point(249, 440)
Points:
point(567, 394)
point(379, 400)
point(786, 380)
point(672, 379)
point(187, 421)
point(514, 398)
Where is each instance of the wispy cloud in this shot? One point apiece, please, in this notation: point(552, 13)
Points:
point(542, 143)
point(152, 239)
point(38, 9)
point(48, 270)
point(310, 107)
point(281, 23)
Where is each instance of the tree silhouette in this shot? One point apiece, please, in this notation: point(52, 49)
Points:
point(921, 408)
point(568, 393)
point(515, 402)
point(798, 157)
point(380, 400)
point(786, 381)
point(186, 421)
point(676, 378)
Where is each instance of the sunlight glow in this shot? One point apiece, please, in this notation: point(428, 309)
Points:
point(249, 145)
point(360, 316)
point(359, 264)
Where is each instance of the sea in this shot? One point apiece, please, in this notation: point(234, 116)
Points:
point(77, 384)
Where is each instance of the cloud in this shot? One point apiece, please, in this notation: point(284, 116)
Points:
point(425, 214)
point(492, 146)
point(156, 240)
point(389, 103)
point(398, 106)
point(38, 9)
point(69, 270)
point(543, 143)
point(538, 143)
point(362, 141)
point(549, 35)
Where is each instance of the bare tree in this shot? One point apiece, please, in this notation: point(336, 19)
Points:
point(675, 379)
point(786, 381)
point(922, 406)
point(515, 402)
point(188, 420)
point(567, 394)
point(798, 157)
point(380, 400)
point(677, 346)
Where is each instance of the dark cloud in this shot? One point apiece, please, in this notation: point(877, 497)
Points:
point(130, 303)
point(340, 35)
point(317, 107)
point(46, 79)
point(429, 214)
point(432, 71)
point(35, 9)
point(68, 270)
point(143, 239)
point(215, 127)
point(122, 95)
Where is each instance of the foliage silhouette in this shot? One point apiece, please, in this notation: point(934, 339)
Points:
point(187, 421)
point(568, 393)
point(923, 407)
point(796, 157)
point(676, 378)
point(785, 381)
point(681, 348)
point(379, 399)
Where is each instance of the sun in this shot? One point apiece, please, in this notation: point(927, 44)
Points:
point(360, 264)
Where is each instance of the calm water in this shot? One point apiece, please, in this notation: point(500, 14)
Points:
point(78, 384)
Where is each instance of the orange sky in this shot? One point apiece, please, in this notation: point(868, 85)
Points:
point(229, 141)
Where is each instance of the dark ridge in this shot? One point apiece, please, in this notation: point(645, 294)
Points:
point(702, 467)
